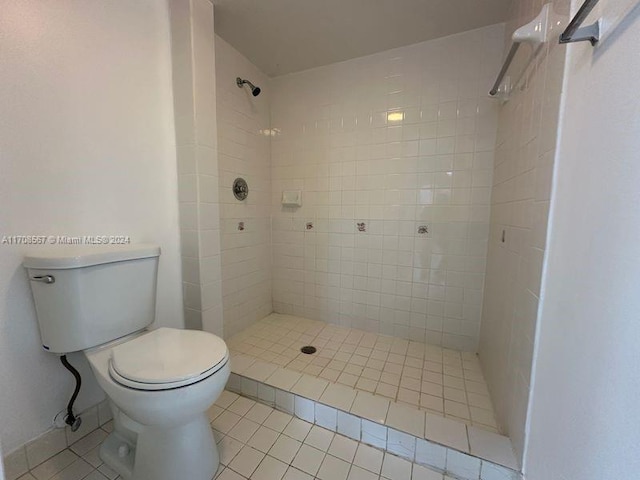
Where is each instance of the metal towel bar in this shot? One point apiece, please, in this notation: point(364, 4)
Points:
point(505, 67)
point(575, 33)
point(533, 33)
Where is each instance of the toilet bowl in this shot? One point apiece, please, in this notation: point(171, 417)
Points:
point(160, 383)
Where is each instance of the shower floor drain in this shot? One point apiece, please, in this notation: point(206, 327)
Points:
point(308, 350)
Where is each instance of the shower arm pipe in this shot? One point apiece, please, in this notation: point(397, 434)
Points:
point(240, 82)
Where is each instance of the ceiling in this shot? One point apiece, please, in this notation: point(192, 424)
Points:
point(284, 36)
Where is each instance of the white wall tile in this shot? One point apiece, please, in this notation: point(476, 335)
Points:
point(428, 453)
point(521, 186)
point(285, 401)
point(243, 151)
point(304, 408)
point(326, 417)
point(400, 443)
point(462, 465)
point(374, 434)
point(349, 425)
point(355, 140)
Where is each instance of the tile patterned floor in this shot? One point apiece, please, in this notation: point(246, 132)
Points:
point(435, 379)
point(259, 443)
point(78, 462)
point(256, 442)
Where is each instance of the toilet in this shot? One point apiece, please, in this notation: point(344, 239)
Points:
point(160, 383)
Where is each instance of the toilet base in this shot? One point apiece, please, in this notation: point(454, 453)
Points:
point(118, 454)
point(186, 451)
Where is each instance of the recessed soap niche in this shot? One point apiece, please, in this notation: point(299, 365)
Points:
point(292, 198)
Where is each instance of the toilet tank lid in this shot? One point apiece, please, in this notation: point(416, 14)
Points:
point(78, 256)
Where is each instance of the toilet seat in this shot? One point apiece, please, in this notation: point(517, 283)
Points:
point(167, 358)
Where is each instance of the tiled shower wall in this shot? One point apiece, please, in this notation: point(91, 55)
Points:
point(527, 132)
point(194, 99)
point(243, 151)
point(395, 141)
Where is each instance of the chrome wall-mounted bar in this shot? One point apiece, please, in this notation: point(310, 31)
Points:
point(535, 34)
point(505, 67)
point(575, 33)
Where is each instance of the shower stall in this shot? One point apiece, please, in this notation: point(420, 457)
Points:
point(392, 217)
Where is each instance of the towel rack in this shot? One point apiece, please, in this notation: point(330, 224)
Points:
point(575, 33)
point(533, 33)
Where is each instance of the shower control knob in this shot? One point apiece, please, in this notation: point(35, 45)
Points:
point(240, 188)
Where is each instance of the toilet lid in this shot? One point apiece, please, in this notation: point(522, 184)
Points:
point(167, 358)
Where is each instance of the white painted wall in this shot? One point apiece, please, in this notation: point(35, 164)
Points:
point(394, 140)
point(86, 147)
point(584, 420)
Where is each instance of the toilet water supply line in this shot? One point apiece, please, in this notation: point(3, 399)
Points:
point(70, 419)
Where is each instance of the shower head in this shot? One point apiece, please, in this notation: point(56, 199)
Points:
point(255, 91)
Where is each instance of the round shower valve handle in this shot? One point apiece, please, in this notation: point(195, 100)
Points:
point(240, 188)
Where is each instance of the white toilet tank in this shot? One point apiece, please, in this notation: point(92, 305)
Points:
point(89, 295)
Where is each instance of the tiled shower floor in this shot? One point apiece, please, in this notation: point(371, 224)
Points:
point(431, 378)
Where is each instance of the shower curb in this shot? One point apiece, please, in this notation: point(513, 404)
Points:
point(449, 460)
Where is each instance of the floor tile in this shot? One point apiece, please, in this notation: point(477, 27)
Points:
point(228, 448)
point(228, 474)
point(319, 438)
point(226, 421)
point(308, 459)
point(243, 430)
point(75, 471)
point(295, 474)
point(333, 468)
point(368, 458)
point(423, 473)
point(283, 379)
point(270, 469)
point(298, 429)
point(310, 387)
point(338, 396)
point(226, 398)
point(447, 432)
point(277, 421)
point(285, 449)
point(396, 468)
point(406, 419)
point(493, 447)
point(343, 448)
point(241, 406)
point(359, 473)
point(55, 464)
point(246, 461)
point(258, 413)
point(371, 407)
